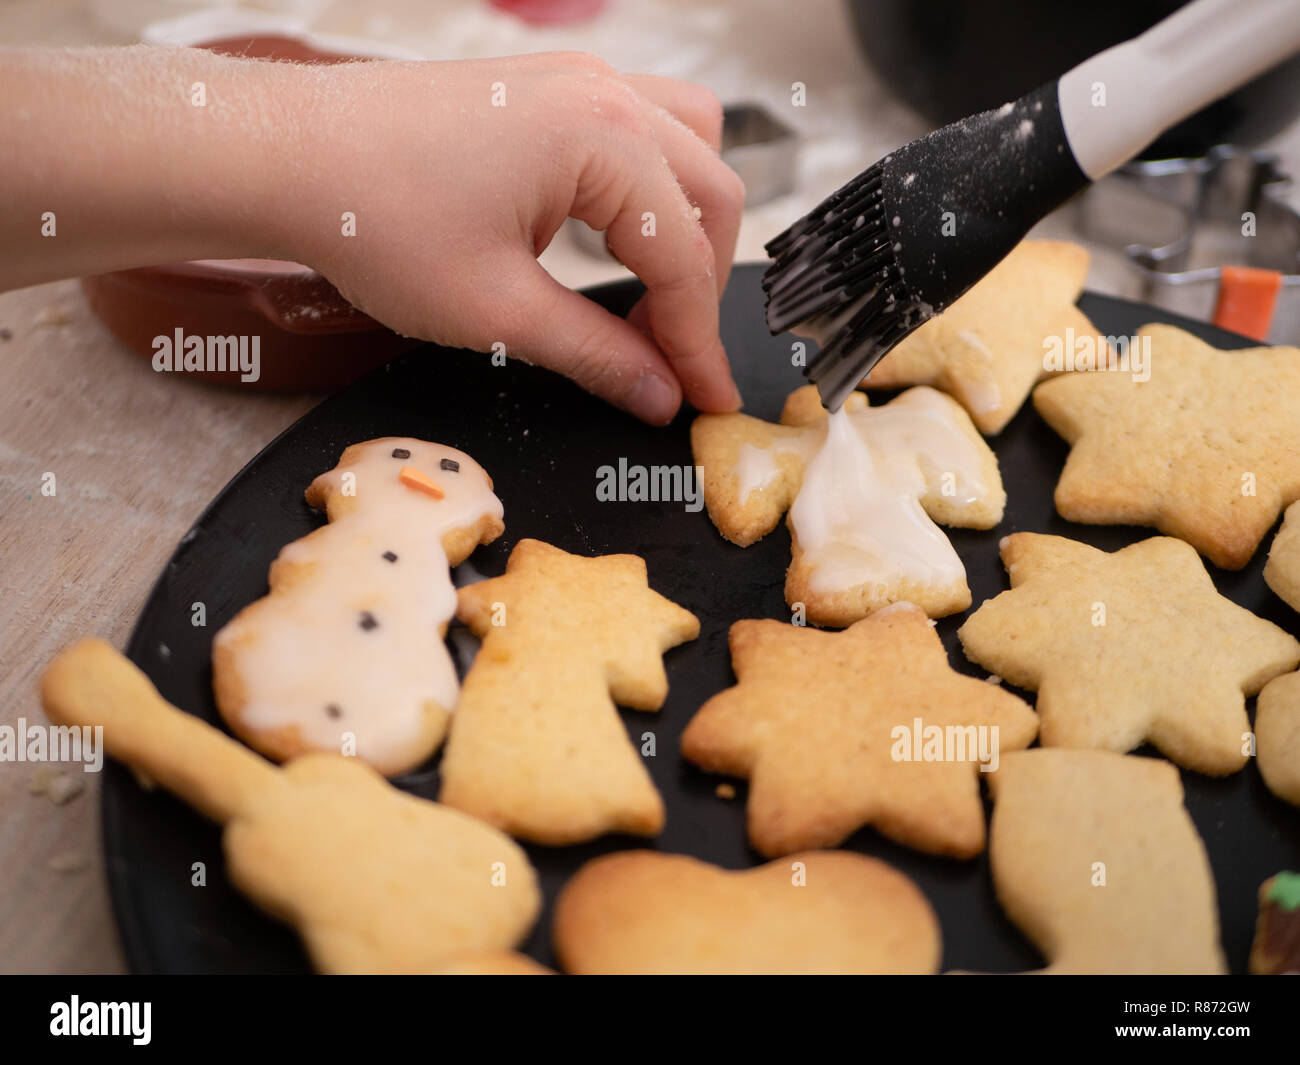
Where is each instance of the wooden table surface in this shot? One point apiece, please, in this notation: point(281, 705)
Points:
point(136, 456)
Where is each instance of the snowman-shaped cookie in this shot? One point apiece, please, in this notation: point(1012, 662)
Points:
point(346, 652)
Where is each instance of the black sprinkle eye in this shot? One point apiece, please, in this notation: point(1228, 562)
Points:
point(333, 710)
point(401, 453)
point(388, 556)
point(368, 621)
point(451, 465)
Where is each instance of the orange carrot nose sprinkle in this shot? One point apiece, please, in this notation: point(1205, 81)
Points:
point(421, 482)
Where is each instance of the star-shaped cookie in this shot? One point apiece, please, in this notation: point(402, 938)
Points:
point(987, 349)
point(870, 726)
point(1282, 570)
point(863, 493)
point(536, 745)
point(1128, 647)
point(1205, 450)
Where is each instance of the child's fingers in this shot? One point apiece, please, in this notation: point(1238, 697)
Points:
point(557, 328)
point(627, 189)
point(683, 114)
point(693, 104)
point(713, 187)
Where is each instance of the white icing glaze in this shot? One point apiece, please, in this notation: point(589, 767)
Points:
point(306, 648)
point(756, 467)
point(980, 388)
point(858, 516)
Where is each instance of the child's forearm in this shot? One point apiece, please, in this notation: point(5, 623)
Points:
point(129, 157)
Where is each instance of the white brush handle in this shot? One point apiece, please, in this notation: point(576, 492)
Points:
point(1116, 103)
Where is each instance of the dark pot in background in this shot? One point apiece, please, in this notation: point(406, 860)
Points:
point(951, 58)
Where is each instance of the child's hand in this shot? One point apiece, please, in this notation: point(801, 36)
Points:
point(455, 196)
point(458, 175)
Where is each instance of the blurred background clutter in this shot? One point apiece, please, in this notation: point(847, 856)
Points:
point(873, 74)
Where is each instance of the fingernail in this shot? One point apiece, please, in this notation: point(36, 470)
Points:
point(653, 399)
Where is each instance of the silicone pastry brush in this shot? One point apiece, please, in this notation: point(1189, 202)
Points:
point(905, 238)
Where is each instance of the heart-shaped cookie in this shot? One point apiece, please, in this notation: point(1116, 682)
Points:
point(819, 912)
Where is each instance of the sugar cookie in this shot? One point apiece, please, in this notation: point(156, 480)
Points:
point(987, 350)
point(1205, 450)
point(861, 489)
point(375, 880)
point(494, 963)
point(824, 912)
point(1277, 736)
point(1282, 570)
point(870, 726)
point(1097, 861)
point(537, 747)
point(345, 653)
point(1128, 647)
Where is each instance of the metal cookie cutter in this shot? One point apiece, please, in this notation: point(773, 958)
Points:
point(761, 149)
point(755, 144)
point(1211, 237)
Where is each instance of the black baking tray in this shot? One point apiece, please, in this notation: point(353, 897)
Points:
point(542, 439)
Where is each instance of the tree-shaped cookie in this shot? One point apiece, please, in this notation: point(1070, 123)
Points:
point(861, 489)
point(640, 912)
point(346, 653)
point(869, 726)
point(1125, 647)
point(988, 348)
point(537, 747)
point(1282, 570)
point(1205, 450)
point(375, 880)
point(1277, 736)
point(1095, 858)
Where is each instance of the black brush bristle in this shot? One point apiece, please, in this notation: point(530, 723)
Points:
point(910, 234)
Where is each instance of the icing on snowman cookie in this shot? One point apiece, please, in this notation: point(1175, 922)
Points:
point(346, 652)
